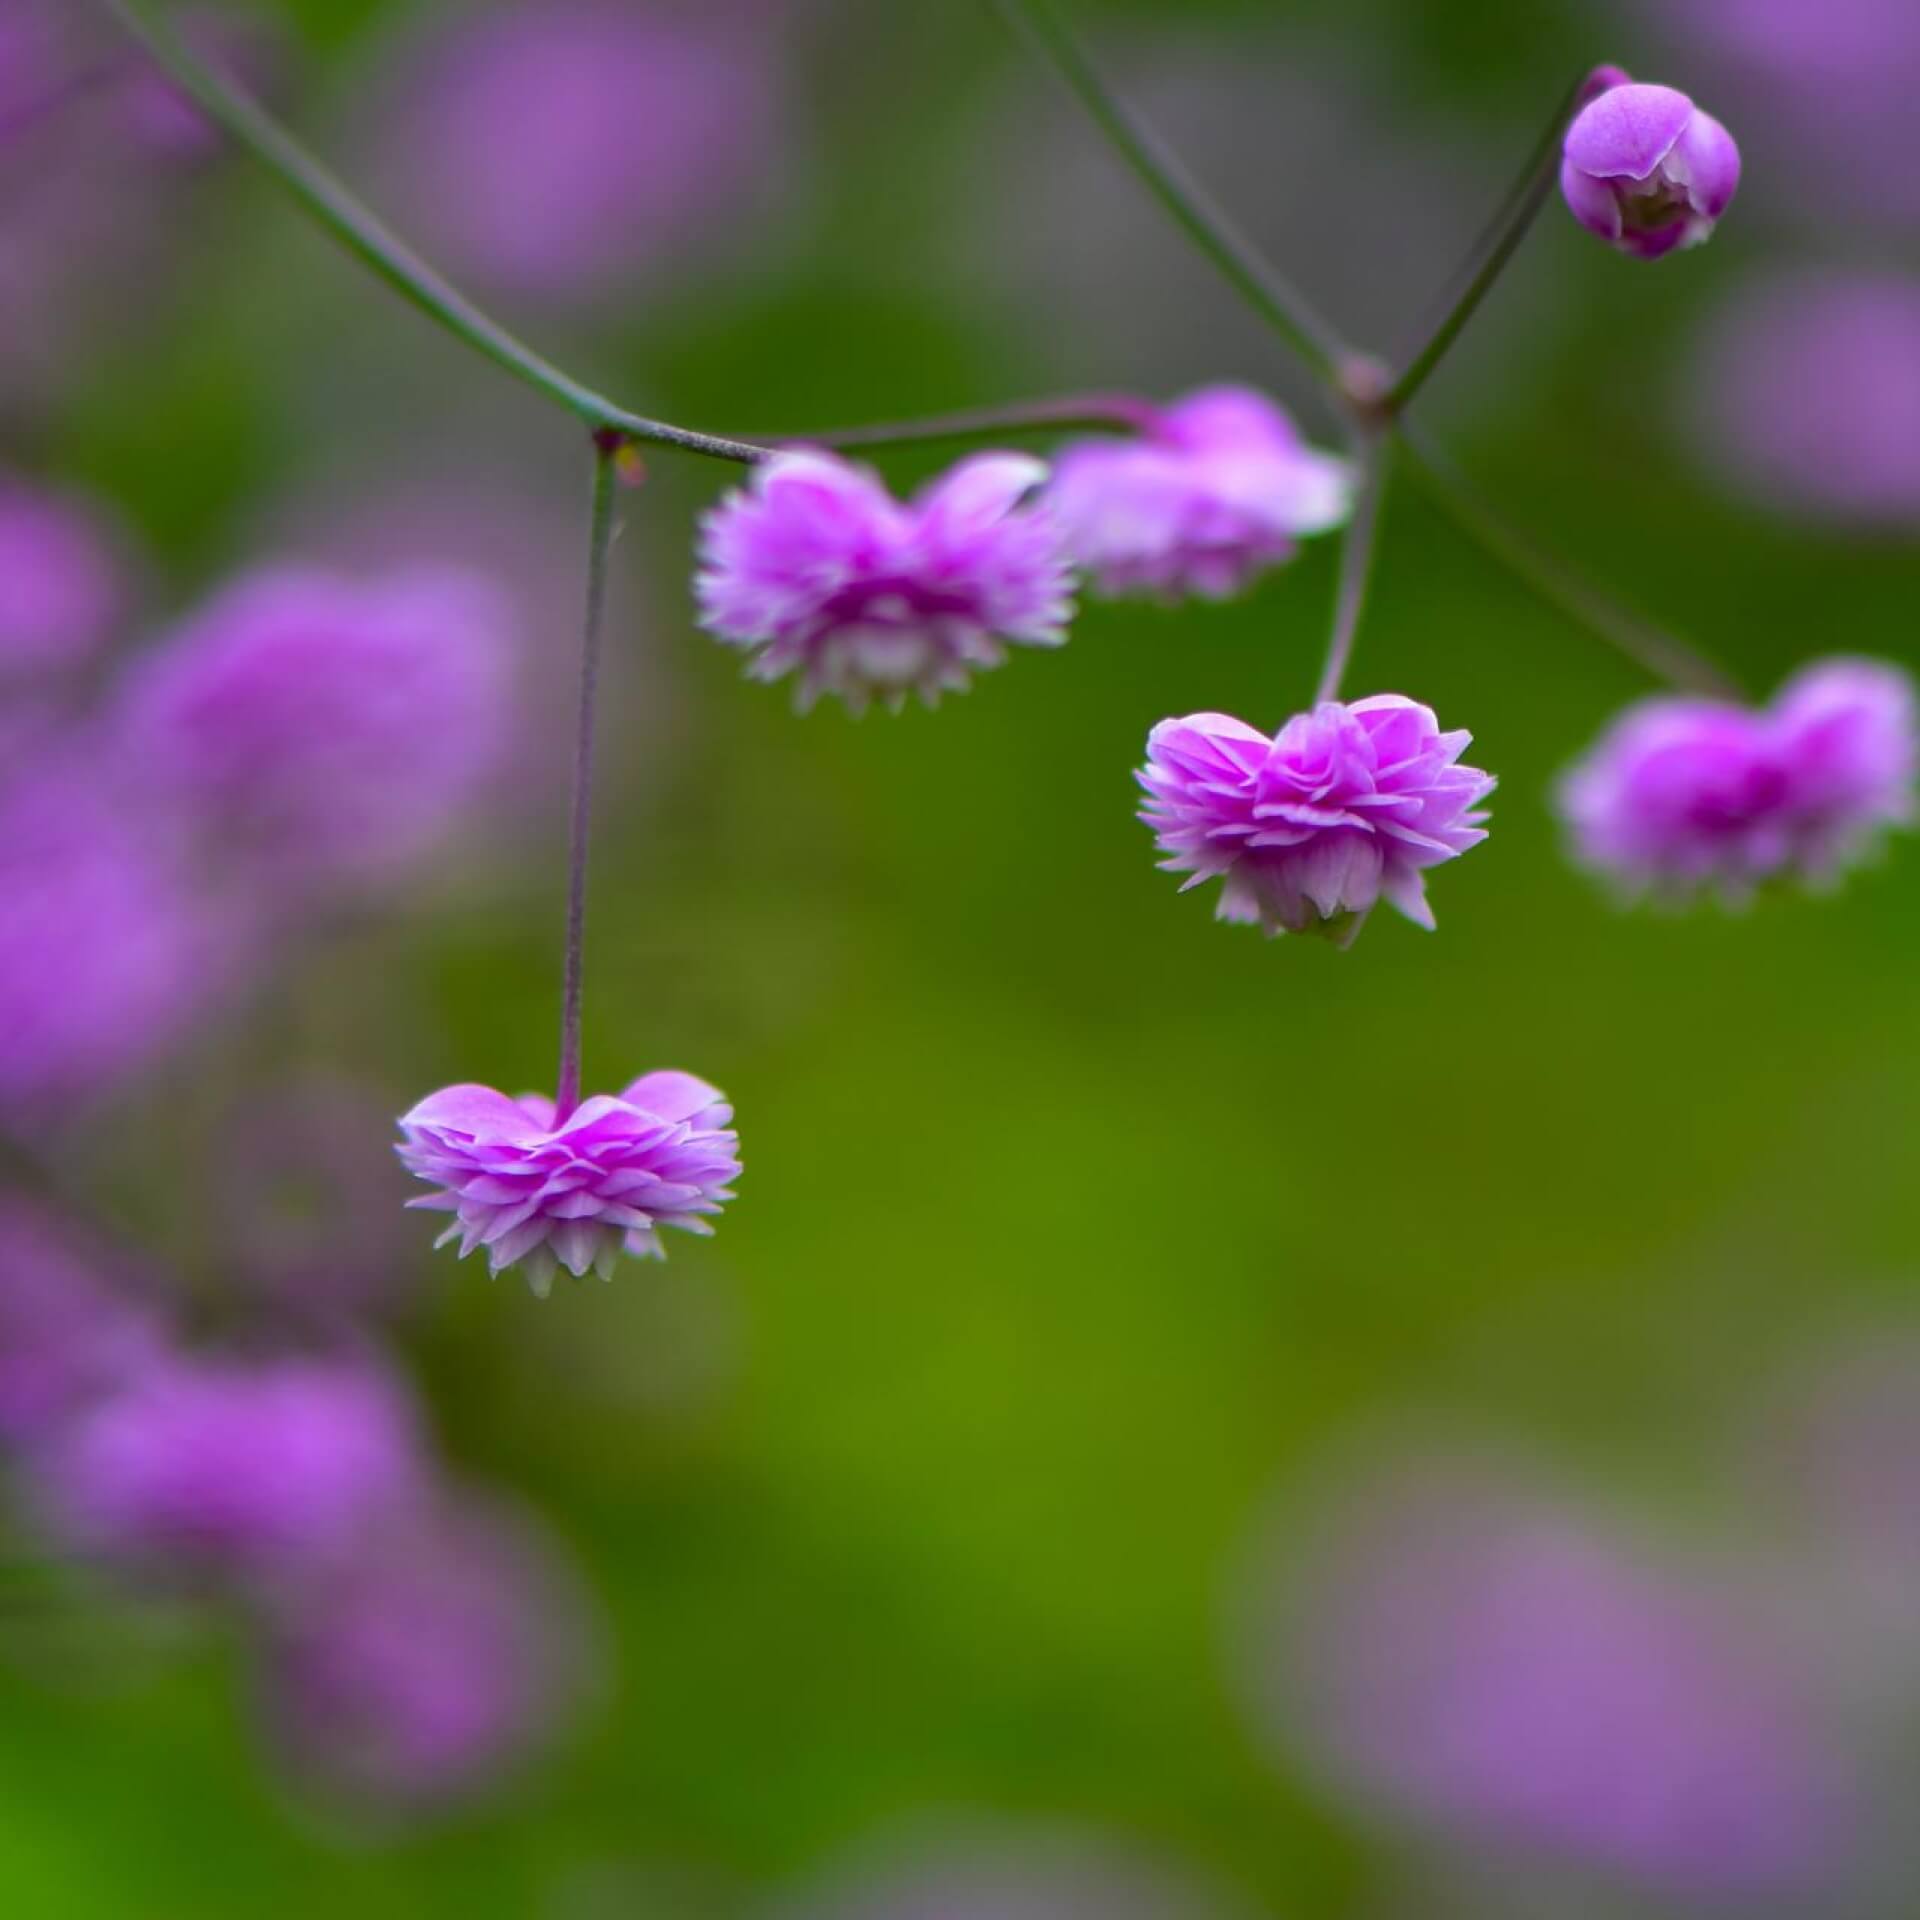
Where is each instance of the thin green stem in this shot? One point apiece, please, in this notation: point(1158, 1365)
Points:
point(363, 234)
point(1072, 413)
point(1497, 244)
point(1557, 584)
point(1357, 549)
point(1279, 303)
point(606, 447)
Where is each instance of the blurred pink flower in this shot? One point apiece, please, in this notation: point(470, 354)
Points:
point(562, 147)
point(312, 731)
point(107, 956)
point(69, 1328)
point(431, 1664)
point(308, 1202)
point(1218, 488)
point(1486, 1662)
point(1804, 394)
point(60, 582)
point(267, 1468)
point(819, 571)
point(1682, 794)
point(1833, 84)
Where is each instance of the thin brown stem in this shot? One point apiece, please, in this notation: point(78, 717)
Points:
point(606, 449)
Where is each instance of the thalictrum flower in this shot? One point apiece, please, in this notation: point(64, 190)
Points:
point(1308, 828)
point(1219, 487)
point(542, 1193)
point(819, 571)
point(237, 1466)
point(1683, 795)
point(1647, 170)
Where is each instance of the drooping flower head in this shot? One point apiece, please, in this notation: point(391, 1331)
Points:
point(821, 572)
point(424, 1667)
point(1219, 487)
point(234, 1466)
point(1681, 795)
point(60, 584)
point(68, 1330)
point(1647, 170)
point(542, 1195)
point(1309, 827)
point(1484, 1660)
point(313, 730)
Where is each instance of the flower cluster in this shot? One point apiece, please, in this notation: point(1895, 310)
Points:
point(300, 744)
point(822, 572)
point(412, 1641)
point(1682, 796)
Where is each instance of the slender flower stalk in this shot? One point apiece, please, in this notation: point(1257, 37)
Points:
point(1279, 302)
point(1502, 237)
point(1556, 583)
point(606, 450)
point(362, 233)
point(1069, 413)
point(1356, 567)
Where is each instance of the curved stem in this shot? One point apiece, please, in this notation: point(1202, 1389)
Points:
point(1356, 567)
point(1275, 298)
point(606, 448)
point(1497, 244)
point(1558, 585)
point(362, 233)
point(1072, 413)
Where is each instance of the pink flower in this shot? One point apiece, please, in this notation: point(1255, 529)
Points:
point(1685, 794)
point(60, 587)
point(234, 1466)
point(1310, 827)
point(313, 730)
point(1647, 170)
point(68, 1331)
point(818, 569)
point(1219, 488)
point(1805, 389)
point(107, 956)
point(1486, 1661)
point(572, 1194)
point(425, 1667)
point(561, 149)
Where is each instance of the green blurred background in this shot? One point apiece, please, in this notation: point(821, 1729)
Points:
point(1074, 1225)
